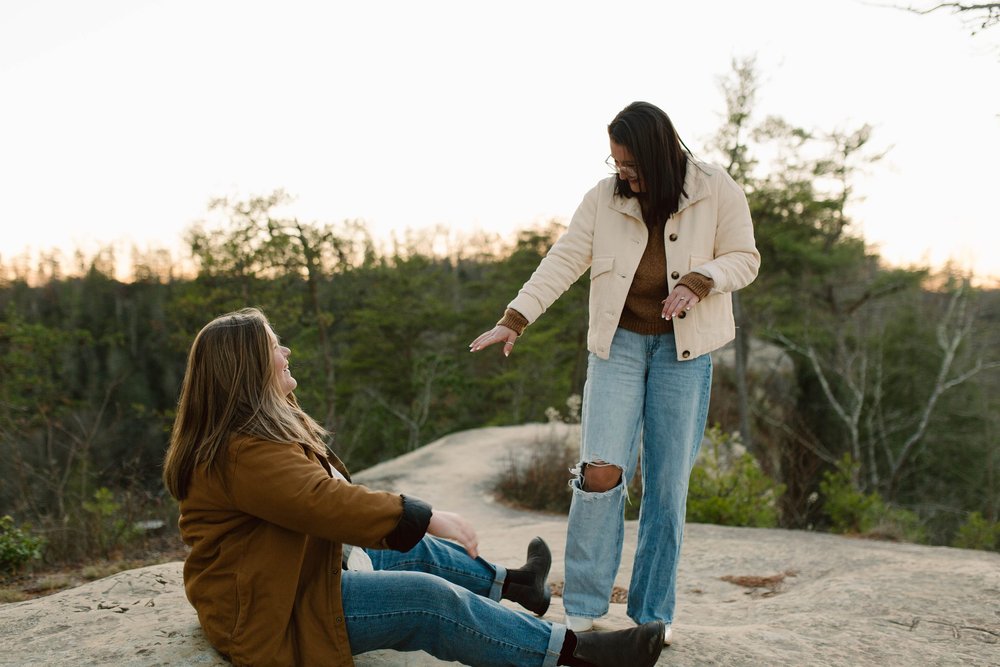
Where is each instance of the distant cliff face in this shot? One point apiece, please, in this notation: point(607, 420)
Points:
point(764, 358)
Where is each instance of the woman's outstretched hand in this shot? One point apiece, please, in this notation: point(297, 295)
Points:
point(498, 334)
point(451, 526)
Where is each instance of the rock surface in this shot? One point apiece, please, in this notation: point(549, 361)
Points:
point(745, 596)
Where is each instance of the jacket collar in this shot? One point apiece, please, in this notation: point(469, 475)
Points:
point(695, 185)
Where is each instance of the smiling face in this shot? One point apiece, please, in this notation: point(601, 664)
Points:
point(626, 165)
point(279, 357)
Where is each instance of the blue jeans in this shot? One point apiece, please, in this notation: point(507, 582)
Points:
point(641, 393)
point(435, 598)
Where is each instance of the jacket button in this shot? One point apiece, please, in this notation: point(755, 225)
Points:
point(686, 354)
point(682, 314)
point(673, 237)
point(675, 275)
point(340, 619)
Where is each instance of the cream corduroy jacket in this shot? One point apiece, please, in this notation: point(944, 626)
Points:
point(711, 233)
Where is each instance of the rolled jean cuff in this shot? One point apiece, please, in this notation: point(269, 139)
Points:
point(496, 590)
point(556, 641)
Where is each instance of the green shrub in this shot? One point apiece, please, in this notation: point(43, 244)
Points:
point(17, 546)
point(853, 511)
point(978, 532)
point(899, 525)
point(540, 481)
point(849, 510)
point(728, 486)
point(108, 525)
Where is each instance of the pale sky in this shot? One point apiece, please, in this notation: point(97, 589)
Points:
point(119, 121)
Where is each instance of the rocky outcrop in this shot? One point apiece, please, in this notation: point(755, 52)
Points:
point(138, 618)
point(745, 596)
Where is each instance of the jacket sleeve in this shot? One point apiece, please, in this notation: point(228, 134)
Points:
point(279, 483)
point(736, 257)
point(412, 526)
point(565, 262)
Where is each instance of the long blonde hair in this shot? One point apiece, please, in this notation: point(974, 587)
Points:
point(230, 387)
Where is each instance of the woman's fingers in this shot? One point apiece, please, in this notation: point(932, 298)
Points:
point(680, 300)
point(498, 334)
point(470, 541)
point(482, 339)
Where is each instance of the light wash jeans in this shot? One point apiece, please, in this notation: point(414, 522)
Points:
point(640, 393)
point(435, 598)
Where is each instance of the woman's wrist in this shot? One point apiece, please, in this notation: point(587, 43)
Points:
point(514, 321)
point(700, 284)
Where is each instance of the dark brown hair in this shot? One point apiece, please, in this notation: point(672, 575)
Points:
point(660, 156)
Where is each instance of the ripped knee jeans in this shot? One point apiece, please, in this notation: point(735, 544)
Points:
point(640, 398)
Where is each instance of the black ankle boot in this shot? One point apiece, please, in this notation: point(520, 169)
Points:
point(636, 647)
point(528, 586)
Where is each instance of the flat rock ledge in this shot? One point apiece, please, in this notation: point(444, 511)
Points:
point(138, 618)
point(746, 597)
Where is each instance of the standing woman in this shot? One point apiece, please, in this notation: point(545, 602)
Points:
point(667, 240)
point(269, 514)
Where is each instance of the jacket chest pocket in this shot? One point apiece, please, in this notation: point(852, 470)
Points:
point(601, 275)
point(600, 266)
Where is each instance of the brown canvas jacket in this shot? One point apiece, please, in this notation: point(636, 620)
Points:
point(266, 540)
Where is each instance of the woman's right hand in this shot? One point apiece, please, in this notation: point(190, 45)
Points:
point(451, 526)
point(498, 334)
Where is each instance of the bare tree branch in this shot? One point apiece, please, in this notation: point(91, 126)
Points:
point(805, 442)
point(959, 7)
point(952, 330)
point(420, 409)
point(985, 14)
point(849, 415)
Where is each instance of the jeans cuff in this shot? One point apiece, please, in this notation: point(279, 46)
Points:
point(556, 641)
point(496, 590)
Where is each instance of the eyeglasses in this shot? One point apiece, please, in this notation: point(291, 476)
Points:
point(626, 171)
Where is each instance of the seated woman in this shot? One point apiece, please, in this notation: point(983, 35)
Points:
point(269, 513)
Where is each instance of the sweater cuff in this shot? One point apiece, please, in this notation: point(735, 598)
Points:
point(699, 284)
point(412, 525)
point(513, 320)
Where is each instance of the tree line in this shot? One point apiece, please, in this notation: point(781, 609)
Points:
point(893, 368)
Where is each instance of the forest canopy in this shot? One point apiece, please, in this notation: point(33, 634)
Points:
point(895, 369)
